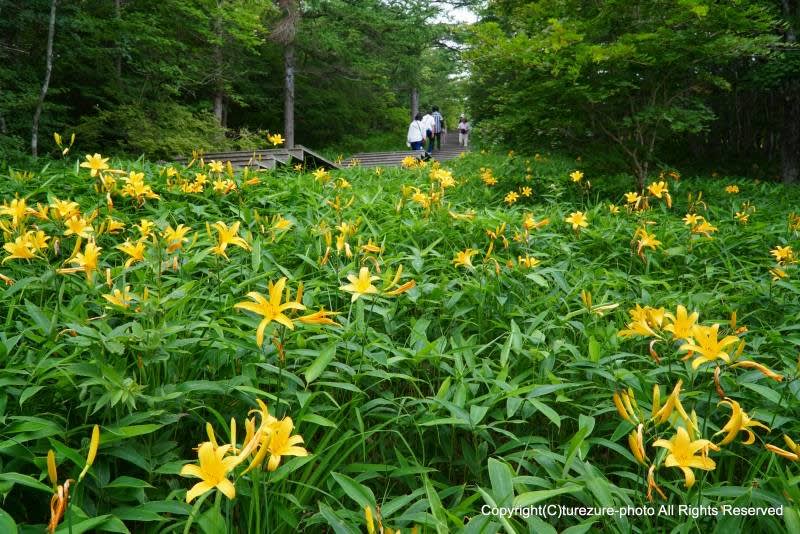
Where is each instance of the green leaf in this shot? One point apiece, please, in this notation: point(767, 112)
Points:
point(585, 427)
point(127, 482)
point(25, 480)
point(534, 497)
point(316, 368)
point(361, 494)
point(212, 522)
point(29, 392)
point(105, 523)
point(435, 503)
point(493, 504)
point(7, 523)
point(131, 431)
point(594, 349)
point(547, 411)
point(766, 392)
point(317, 420)
point(501, 477)
point(339, 526)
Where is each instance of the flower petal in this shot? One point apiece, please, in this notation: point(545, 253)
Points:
point(197, 490)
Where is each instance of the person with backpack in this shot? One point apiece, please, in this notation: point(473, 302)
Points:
point(463, 131)
point(427, 121)
point(438, 127)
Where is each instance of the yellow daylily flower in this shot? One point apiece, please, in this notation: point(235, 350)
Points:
point(651, 484)
point(77, 225)
point(705, 228)
point(20, 249)
point(282, 443)
point(632, 197)
point(646, 240)
point(624, 402)
point(17, 209)
point(119, 298)
point(86, 261)
point(360, 285)
point(707, 346)
point(321, 175)
point(136, 188)
point(528, 262)
point(640, 326)
point(576, 176)
point(322, 316)
point(463, 258)
point(134, 250)
point(794, 455)
point(692, 219)
point(636, 444)
point(275, 139)
point(578, 220)
point(683, 454)
point(673, 403)
point(368, 518)
point(52, 469)
point(145, 228)
point(766, 371)
point(95, 164)
point(658, 189)
point(94, 443)
point(682, 323)
point(113, 225)
point(783, 255)
point(272, 309)
point(175, 237)
point(228, 236)
point(213, 471)
point(64, 209)
point(739, 422)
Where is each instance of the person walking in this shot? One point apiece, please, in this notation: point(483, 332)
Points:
point(428, 122)
point(416, 133)
point(463, 131)
point(438, 127)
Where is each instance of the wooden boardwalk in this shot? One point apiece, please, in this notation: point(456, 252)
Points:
point(450, 150)
point(268, 159)
point(278, 157)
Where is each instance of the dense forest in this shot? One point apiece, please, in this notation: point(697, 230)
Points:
point(164, 76)
point(637, 85)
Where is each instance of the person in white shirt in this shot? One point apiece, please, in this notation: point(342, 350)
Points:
point(438, 127)
point(416, 133)
point(430, 124)
point(463, 131)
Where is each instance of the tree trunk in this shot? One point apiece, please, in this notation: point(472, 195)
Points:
point(284, 33)
point(414, 102)
point(288, 103)
point(790, 135)
point(219, 101)
point(46, 83)
point(219, 85)
point(118, 59)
